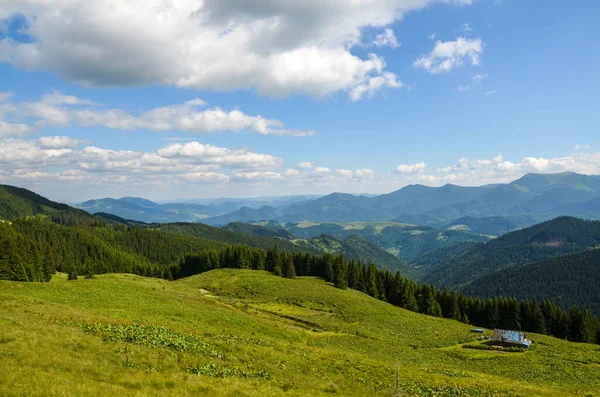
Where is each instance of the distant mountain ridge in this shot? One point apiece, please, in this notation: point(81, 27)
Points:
point(528, 200)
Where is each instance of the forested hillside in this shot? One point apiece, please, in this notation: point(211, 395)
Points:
point(490, 226)
point(566, 280)
point(17, 202)
point(403, 240)
point(549, 239)
point(259, 230)
point(106, 243)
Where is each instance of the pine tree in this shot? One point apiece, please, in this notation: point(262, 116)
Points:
point(328, 258)
point(72, 274)
point(288, 269)
point(372, 281)
point(340, 272)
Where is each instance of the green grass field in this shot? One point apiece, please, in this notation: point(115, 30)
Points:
point(249, 333)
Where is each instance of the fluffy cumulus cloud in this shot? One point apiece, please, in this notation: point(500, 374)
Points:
point(81, 167)
point(57, 109)
point(77, 164)
point(386, 39)
point(58, 142)
point(276, 47)
point(8, 129)
point(345, 173)
point(60, 158)
point(500, 170)
point(305, 165)
point(374, 84)
point(242, 158)
point(365, 173)
point(448, 55)
point(417, 168)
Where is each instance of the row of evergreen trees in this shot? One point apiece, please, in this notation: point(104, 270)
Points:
point(544, 317)
point(32, 250)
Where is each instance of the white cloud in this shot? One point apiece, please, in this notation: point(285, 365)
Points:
point(58, 142)
point(7, 129)
point(192, 161)
point(276, 47)
point(582, 147)
point(417, 168)
point(365, 173)
point(432, 36)
point(463, 88)
point(57, 109)
point(178, 168)
point(305, 165)
point(5, 96)
point(16, 154)
point(466, 28)
point(491, 92)
point(344, 173)
point(499, 170)
point(242, 158)
point(204, 177)
point(257, 176)
point(448, 55)
point(185, 118)
point(373, 85)
point(386, 39)
point(479, 77)
point(321, 171)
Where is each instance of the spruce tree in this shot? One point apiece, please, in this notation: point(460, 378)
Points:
point(288, 269)
point(340, 273)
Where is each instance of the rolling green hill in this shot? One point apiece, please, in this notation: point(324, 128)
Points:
point(566, 280)
point(557, 237)
point(248, 333)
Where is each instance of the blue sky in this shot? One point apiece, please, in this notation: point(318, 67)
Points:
point(382, 94)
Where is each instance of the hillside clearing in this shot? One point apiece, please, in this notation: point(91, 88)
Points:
point(233, 332)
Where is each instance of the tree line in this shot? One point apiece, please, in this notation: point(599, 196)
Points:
point(544, 317)
point(33, 250)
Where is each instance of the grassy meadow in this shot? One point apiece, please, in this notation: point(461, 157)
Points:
point(249, 333)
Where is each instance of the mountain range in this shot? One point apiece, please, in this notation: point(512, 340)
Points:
point(460, 255)
point(489, 209)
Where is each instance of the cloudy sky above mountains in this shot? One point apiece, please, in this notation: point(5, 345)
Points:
point(191, 98)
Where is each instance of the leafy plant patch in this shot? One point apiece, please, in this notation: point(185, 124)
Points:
point(225, 371)
point(149, 336)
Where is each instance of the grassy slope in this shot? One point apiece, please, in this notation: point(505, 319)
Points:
point(311, 339)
